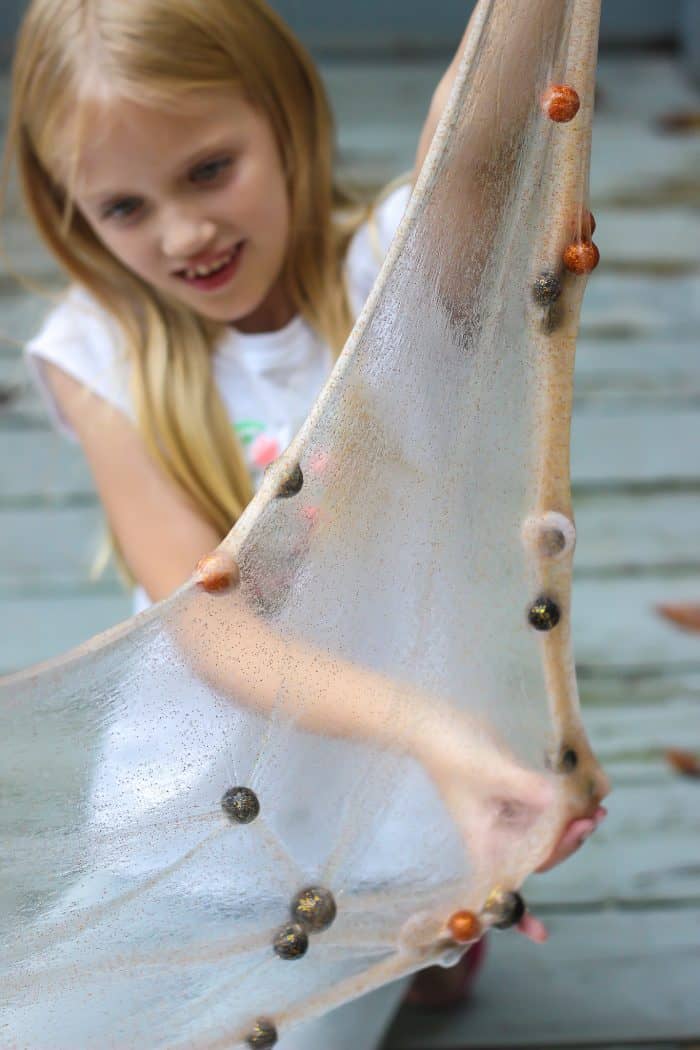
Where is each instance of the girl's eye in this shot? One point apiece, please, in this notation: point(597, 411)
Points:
point(122, 210)
point(210, 171)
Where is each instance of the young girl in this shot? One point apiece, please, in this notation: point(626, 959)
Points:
point(176, 156)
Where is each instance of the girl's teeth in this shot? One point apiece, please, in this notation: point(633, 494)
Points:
point(206, 271)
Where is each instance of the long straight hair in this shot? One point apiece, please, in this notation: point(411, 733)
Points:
point(153, 52)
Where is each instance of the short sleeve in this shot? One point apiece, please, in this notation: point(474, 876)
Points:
point(84, 341)
point(370, 244)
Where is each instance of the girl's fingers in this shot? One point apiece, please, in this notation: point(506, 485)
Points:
point(533, 928)
point(573, 837)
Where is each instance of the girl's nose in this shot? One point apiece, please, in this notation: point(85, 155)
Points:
point(185, 236)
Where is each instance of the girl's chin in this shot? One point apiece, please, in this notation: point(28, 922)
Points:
point(224, 310)
point(251, 315)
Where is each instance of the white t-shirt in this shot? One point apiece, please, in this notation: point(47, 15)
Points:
point(268, 381)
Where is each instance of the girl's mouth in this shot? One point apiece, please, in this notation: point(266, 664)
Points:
point(214, 275)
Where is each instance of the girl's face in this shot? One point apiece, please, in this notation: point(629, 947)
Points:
point(195, 202)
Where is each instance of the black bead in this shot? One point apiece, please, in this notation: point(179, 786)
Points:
point(263, 1035)
point(291, 942)
point(292, 484)
point(240, 805)
point(546, 288)
point(568, 761)
point(506, 909)
point(314, 909)
point(544, 614)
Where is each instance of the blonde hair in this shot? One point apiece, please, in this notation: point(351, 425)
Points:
point(152, 51)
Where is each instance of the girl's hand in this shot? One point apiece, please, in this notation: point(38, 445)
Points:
point(573, 837)
point(471, 771)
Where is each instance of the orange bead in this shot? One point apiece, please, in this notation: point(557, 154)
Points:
point(561, 103)
point(217, 572)
point(464, 926)
point(581, 257)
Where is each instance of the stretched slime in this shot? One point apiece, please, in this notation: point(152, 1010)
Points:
point(343, 745)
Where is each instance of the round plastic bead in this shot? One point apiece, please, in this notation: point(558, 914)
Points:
point(292, 484)
point(291, 942)
point(544, 614)
point(241, 805)
point(561, 103)
point(546, 288)
point(263, 1035)
point(568, 761)
point(218, 572)
point(581, 257)
point(464, 926)
point(504, 909)
point(314, 909)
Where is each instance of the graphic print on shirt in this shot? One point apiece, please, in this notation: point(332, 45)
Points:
point(261, 447)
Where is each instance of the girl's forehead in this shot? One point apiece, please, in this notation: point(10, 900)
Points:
point(120, 132)
point(113, 114)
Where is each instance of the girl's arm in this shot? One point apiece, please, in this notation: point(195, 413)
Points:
point(437, 106)
point(160, 535)
point(162, 538)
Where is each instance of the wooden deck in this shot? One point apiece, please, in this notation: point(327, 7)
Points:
point(622, 967)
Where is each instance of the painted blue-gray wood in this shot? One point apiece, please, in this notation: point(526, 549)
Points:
point(623, 965)
point(690, 27)
point(413, 26)
point(603, 977)
point(417, 26)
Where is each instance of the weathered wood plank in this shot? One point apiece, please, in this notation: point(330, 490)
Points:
point(48, 547)
point(640, 689)
point(622, 1044)
point(21, 314)
point(603, 977)
point(628, 154)
point(650, 803)
point(643, 238)
point(608, 448)
point(646, 865)
point(641, 87)
point(640, 306)
point(34, 629)
point(628, 731)
point(615, 624)
point(633, 365)
point(41, 465)
point(619, 375)
point(617, 535)
point(626, 534)
point(636, 371)
point(27, 257)
point(617, 304)
point(633, 164)
point(646, 852)
point(634, 446)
